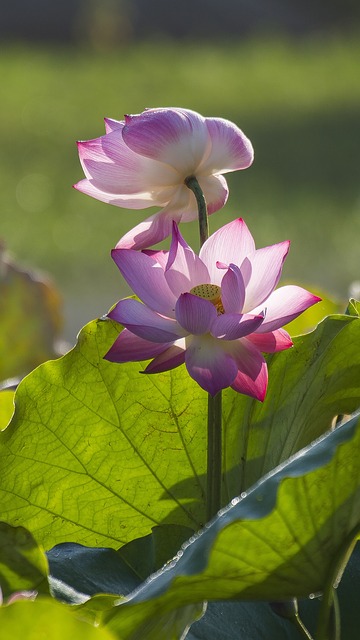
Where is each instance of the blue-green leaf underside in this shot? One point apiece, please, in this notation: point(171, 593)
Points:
point(277, 542)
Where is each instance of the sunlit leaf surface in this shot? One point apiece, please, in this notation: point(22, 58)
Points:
point(48, 619)
point(6, 407)
point(318, 378)
point(280, 540)
point(97, 453)
point(30, 319)
point(23, 565)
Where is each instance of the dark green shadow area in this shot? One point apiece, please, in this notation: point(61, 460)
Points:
point(23, 565)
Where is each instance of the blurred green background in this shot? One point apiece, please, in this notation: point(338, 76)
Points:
point(294, 92)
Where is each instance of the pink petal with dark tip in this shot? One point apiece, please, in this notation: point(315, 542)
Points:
point(283, 305)
point(252, 376)
point(112, 125)
point(271, 342)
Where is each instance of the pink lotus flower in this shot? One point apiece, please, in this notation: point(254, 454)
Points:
point(17, 595)
point(143, 161)
point(216, 312)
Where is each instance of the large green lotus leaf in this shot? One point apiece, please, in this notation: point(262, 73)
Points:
point(353, 307)
point(98, 454)
point(282, 539)
point(30, 319)
point(91, 570)
point(78, 571)
point(348, 595)
point(94, 571)
point(167, 625)
point(46, 619)
point(23, 565)
point(171, 623)
point(95, 451)
point(309, 384)
point(6, 407)
point(243, 621)
point(256, 621)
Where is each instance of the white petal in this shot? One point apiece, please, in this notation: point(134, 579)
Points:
point(132, 201)
point(177, 137)
point(230, 244)
point(184, 269)
point(230, 148)
point(215, 190)
point(148, 232)
point(266, 266)
point(114, 168)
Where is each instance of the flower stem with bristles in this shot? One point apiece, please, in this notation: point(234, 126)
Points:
point(214, 426)
point(192, 184)
point(214, 455)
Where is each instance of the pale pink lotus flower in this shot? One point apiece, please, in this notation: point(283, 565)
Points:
point(17, 595)
point(216, 312)
point(142, 162)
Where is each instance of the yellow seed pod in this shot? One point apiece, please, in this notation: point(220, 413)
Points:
point(209, 292)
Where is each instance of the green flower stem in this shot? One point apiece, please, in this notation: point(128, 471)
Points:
point(214, 450)
point(297, 622)
point(192, 184)
point(328, 627)
point(289, 610)
point(214, 455)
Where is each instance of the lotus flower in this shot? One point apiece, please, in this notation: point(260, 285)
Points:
point(17, 595)
point(144, 160)
point(216, 312)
